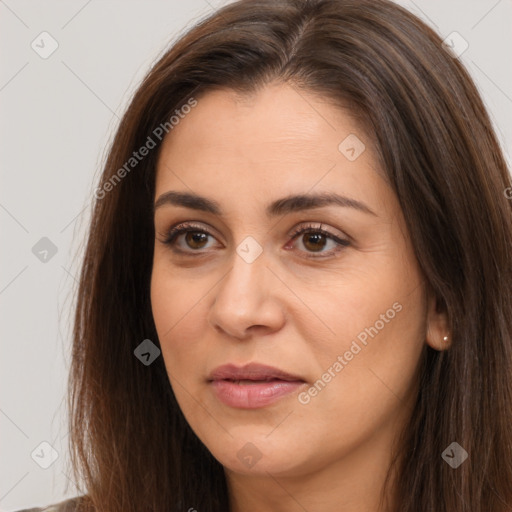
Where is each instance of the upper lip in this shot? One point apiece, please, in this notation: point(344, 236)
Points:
point(251, 371)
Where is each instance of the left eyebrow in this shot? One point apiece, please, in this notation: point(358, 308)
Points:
point(285, 205)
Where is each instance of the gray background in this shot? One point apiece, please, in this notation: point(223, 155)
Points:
point(58, 115)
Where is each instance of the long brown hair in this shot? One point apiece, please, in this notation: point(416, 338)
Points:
point(130, 443)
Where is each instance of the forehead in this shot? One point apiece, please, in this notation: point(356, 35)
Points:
point(277, 115)
point(278, 141)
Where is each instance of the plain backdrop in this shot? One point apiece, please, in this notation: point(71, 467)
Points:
point(58, 116)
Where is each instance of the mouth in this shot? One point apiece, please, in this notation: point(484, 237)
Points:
point(252, 386)
point(252, 372)
point(251, 381)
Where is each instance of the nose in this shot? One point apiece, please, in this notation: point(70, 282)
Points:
point(245, 300)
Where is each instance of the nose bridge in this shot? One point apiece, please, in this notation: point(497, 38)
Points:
point(244, 296)
point(248, 275)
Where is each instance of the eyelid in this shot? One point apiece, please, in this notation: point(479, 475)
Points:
point(317, 227)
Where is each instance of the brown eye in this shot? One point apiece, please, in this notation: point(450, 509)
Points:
point(192, 239)
point(187, 238)
point(314, 241)
point(196, 239)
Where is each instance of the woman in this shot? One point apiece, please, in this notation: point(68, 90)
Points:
point(295, 293)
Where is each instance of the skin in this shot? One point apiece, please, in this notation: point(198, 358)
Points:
point(286, 309)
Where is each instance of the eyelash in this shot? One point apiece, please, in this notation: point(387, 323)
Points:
point(174, 232)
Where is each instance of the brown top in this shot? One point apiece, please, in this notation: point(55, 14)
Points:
point(69, 505)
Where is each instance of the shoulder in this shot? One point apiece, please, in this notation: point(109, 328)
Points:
point(69, 505)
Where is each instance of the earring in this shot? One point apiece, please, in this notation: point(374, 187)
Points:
point(445, 339)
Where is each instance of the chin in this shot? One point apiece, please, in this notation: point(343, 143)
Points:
point(258, 455)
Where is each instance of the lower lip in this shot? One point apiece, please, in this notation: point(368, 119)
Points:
point(253, 396)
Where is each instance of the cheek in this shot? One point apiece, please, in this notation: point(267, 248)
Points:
point(377, 302)
point(369, 364)
point(178, 312)
point(179, 318)
point(370, 367)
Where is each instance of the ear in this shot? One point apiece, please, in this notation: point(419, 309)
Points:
point(438, 335)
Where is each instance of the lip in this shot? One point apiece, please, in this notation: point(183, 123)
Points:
point(253, 385)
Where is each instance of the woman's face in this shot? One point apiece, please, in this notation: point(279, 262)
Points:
point(344, 314)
